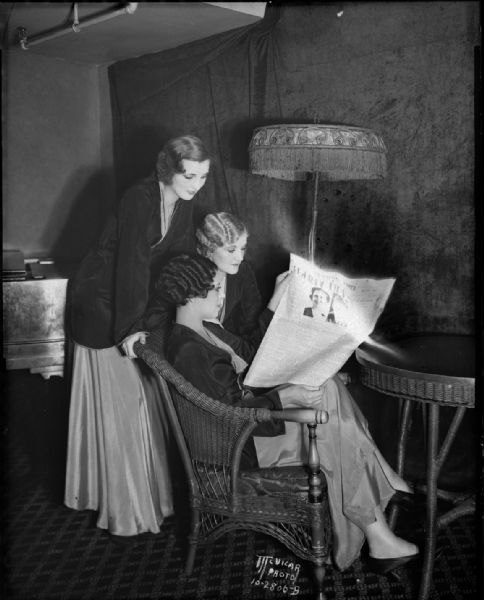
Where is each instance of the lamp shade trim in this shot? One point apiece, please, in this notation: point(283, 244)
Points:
point(338, 152)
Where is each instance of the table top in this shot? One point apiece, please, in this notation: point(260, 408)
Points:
point(427, 367)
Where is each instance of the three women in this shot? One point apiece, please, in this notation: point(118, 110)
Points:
point(116, 437)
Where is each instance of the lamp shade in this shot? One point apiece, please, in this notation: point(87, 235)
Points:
point(336, 152)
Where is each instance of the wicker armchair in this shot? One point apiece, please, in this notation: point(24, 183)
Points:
point(287, 503)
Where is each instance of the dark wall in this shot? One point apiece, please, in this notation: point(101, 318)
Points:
point(403, 69)
point(57, 155)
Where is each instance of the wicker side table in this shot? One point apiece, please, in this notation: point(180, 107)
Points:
point(437, 370)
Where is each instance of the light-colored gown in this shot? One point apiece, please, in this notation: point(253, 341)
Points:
point(117, 460)
point(355, 478)
point(356, 481)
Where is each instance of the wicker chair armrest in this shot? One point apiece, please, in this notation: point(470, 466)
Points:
point(300, 415)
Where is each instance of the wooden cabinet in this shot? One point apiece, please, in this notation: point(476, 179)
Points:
point(34, 321)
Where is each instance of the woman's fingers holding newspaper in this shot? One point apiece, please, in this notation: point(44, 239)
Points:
point(305, 395)
point(283, 276)
point(282, 281)
point(311, 395)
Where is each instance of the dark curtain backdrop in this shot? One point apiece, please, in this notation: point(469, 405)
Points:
point(403, 69)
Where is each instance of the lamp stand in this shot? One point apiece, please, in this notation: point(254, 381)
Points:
point(314, 222)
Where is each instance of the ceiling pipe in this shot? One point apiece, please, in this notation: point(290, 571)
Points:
point(25, 42)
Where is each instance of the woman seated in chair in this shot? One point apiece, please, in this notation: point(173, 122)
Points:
point(360, 481)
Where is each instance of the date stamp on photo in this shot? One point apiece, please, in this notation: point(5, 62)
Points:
point(277, 575)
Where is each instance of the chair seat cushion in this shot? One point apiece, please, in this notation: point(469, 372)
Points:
point(274, 480)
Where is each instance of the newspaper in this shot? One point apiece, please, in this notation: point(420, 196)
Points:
point(322, 318)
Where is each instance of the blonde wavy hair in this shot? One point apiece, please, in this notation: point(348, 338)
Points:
point(218, 230)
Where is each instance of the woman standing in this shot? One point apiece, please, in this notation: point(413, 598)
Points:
point(116, 459)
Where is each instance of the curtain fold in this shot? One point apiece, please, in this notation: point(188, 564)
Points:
point(136, 80)
point(141, 88)
point(139, 79)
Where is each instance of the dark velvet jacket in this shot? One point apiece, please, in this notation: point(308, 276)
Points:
point(108, 297)
point(209, 368)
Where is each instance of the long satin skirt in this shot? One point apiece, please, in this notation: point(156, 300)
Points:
point(356, 481)
point(117, 451)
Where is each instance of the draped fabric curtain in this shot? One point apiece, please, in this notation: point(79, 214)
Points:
point(219, 89)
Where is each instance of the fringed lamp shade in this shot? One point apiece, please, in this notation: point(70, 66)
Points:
point(330, 152)
point(337, 152)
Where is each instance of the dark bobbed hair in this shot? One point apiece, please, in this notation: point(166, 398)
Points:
point(169, 161)
point(184, 277)
point(218, 230)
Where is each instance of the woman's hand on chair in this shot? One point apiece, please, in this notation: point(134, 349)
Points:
point(129, 341)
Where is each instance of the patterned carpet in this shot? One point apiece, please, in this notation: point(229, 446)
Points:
point(52, 552)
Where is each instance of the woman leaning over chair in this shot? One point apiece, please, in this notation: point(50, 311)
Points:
point(116, 462)
point(360, 482)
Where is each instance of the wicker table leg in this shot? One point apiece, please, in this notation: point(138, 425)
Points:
point(431, 516)
point(435, 460)
point(405, 424)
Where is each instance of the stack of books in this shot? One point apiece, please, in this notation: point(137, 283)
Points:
point(13, 266)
